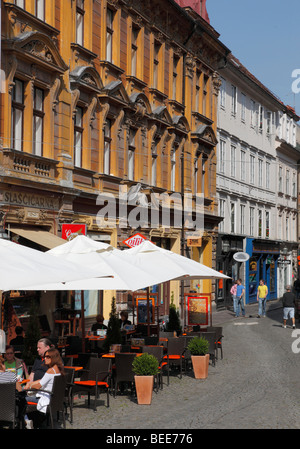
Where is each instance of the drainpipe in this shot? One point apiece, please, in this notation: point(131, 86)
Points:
point(182, 238)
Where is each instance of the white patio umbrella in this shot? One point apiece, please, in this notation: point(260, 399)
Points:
point(102, 257)
point(21, 266)
point(166, 265)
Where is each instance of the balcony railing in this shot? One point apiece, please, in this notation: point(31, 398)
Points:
point(18, 162)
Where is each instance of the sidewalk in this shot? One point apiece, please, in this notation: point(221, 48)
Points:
point(223, 316)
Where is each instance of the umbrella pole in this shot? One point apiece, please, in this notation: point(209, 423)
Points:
point(82, 321)
point(148, 310)
point(1, 309)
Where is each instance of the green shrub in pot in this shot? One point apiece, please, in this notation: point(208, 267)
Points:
point(198, 346)
point(145, 365)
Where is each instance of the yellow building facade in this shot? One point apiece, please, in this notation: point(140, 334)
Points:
point(109, 97)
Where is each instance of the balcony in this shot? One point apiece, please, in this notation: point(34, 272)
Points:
point(27, 166)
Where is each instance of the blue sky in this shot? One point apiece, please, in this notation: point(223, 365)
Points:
point(265, 36)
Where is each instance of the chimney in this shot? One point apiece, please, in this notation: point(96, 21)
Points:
point(199, 6)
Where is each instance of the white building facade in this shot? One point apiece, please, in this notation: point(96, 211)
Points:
point(250, 152)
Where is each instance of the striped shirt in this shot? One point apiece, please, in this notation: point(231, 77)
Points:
point(8, 376)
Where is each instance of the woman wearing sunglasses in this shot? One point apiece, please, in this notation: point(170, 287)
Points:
point(55, 367)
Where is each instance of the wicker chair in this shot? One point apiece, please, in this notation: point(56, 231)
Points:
point(95, 377)
point(8, 403)
point(124, 372)
point(158, 352)
point(57, 400)
point(175, 354)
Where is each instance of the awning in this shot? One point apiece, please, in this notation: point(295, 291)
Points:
point(39, 236)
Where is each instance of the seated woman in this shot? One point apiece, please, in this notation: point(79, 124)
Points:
point(99, 323)
point(12, 363)
point(42, 399)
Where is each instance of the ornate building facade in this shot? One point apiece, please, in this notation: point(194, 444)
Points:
point(104, 98)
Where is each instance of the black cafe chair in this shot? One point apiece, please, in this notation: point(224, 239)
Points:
point(8, 404)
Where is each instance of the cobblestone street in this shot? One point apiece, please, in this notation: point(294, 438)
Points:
point(255, 386)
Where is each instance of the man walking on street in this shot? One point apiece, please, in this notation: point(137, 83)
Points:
point(262, 293)
point(288, 302)
point(240, 294)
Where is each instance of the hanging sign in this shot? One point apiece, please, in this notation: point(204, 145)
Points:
point(71, 230)
point(198, 309)
point(134, 240)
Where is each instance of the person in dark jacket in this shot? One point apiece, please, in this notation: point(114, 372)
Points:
point(288, 302)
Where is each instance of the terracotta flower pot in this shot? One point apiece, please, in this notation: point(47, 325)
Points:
point(144, 389)
point(200, 365)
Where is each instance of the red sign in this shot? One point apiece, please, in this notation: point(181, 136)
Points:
point(70, 231)
point(134, 240)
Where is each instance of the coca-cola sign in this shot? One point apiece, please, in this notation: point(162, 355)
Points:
point(70, 231)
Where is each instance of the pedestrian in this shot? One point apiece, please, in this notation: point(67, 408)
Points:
point(262, 293)
point(233, 293)
point(240, 297)
point(288, 302)
point(297, 287)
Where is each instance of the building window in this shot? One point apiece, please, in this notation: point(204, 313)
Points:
point(131, 153)
point(222, 214)
point(243, 165)
point(243, 107)
point(80, 22)
point(232, 218)
point(260, 172)
point(242, 218)
point(222, 156)
point(175, 77)
point(40, 9)
point(233, 100)
point(154, 169)
point(253, 114)
point(109, 34)
point(20, 3)
point(107, 147)
point(205, 94)
point(232, 160)
point(294, 185)
point(260, 118)
point(287, 183)
point(157, 48)
point(196, 177)
point(134, 50)
point(173, 169)
point(251, 230)
point(280, 189)
point(17, 114)
point(78, 133)
point(197, 94)
point(267, 224)
point(223, 94)
point(252, 168)
point(259, 223)
point(267, 175)
point(38, 121)
point(294, 139)
point(269, 122)
point(287, 228)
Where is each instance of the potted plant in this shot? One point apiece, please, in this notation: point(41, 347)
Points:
point(145, 367)
point(198, 348)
